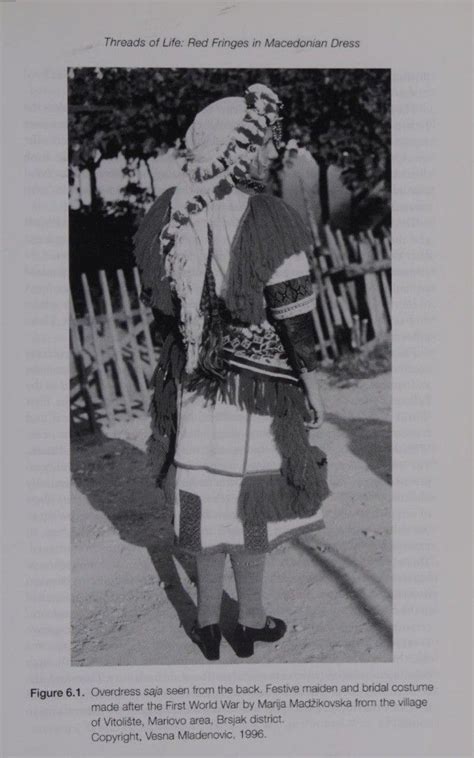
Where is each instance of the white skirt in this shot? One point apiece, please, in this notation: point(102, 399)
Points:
point(217, 445)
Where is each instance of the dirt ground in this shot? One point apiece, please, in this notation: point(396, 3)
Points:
point(133, 600)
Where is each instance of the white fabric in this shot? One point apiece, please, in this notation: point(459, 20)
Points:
point(187, 265)
point(291, 268)
point(213, 439)
point(211, 436)
point(224, 217)
point(212, 128)
point(224, 438)
point(219, 497)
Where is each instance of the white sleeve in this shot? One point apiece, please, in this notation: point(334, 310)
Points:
point(291, 268)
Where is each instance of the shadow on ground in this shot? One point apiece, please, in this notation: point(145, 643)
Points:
point(369, 439)
point(114, 477)
point(328, 563)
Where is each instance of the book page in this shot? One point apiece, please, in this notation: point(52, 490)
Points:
point(225, 550)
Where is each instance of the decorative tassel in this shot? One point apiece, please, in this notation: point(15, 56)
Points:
point(163, 407)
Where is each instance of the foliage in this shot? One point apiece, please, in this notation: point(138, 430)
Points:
point(341, 115)
point(99, 238)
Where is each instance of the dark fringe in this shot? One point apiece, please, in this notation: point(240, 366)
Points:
point(163, 407)
point(148, 255)
point(270, 232)
point(300, 487)
point(264, 395)
point(265, 498)
point(300, 465)
point(168, 373)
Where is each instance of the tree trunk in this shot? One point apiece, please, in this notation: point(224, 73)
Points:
point(93, 182)
point(324, 191)
point(150, 176)
point(388, 171)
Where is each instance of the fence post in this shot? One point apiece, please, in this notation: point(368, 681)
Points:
point(378, 254)
point(374, 296)
point(144, 318)
point(103, 381)
point(115, 342)
point(135, 351)
point(351, 288)
point(321, 291)
point(78, 354)
point(337, 260)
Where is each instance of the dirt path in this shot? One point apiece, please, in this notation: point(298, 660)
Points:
point(133, 603)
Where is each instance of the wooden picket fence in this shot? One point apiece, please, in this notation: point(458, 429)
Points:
point(112, 351)
point(112, 355)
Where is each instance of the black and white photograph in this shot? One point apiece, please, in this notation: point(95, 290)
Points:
point(230, 365)
point(236, 378)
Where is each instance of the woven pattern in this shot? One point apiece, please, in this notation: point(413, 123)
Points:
point(258, 348)
point(255, 537)
point(189, 520)
point(290, 291)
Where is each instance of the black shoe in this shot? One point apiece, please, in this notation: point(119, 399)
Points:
point(245, 636)
point(209, 640)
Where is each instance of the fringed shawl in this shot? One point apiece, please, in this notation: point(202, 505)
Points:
point(270, 232)
point(156, 290)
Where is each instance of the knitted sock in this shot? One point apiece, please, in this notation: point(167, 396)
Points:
point(210, 572)
point(248, 572)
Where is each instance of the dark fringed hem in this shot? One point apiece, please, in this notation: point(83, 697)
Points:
point(271, 497)
point(270, 232)
point(155, 283)
point(255, 393)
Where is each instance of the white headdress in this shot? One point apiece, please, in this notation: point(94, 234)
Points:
point(220, 144)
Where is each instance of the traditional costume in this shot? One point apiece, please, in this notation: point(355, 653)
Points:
point(225, 270)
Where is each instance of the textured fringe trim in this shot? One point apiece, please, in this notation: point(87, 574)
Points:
point(300, 487)
point(149, 257)
point(270, 232)
point(265, 498)
point(255, 393)
point(163, 407)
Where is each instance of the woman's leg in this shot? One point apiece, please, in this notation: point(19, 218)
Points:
point(248, 572)
point(210, 572)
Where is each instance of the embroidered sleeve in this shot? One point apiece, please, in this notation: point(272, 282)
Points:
point(290, 298)
point(290, 291)
point(297, 336)
point(290, 302)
